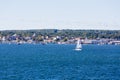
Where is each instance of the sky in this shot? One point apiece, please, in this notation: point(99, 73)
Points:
point(59, 14)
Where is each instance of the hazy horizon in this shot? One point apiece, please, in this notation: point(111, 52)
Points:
point(63, 14)
point(56, 29)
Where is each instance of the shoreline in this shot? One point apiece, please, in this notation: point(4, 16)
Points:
point(54, 44)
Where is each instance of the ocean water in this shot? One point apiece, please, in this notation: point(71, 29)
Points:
point(59, 62)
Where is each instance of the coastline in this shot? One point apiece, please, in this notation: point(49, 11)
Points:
point(56, 36)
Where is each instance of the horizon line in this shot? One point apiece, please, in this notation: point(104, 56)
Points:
point(57, 29)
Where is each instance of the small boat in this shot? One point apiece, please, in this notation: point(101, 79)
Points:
point(78, 46)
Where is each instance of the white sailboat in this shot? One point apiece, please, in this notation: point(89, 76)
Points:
point(78, 46)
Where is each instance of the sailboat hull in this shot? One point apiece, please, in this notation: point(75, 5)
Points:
point(78, 49)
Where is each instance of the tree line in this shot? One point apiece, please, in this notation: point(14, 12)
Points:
point(90, 34)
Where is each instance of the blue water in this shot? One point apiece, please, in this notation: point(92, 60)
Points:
point(59, 62)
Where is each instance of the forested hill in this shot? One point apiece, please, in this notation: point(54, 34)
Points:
point(90, 34)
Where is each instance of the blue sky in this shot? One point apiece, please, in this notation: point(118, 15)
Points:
point(59, 14)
